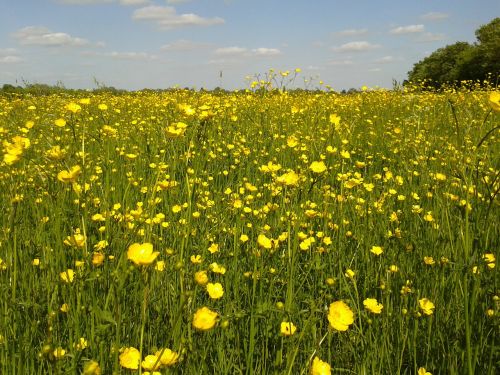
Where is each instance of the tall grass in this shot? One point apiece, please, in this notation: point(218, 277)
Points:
point(416, 173)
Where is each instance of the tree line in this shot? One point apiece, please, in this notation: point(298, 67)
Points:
point(462, 61)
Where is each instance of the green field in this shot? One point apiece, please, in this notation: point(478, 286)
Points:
point(360, 230)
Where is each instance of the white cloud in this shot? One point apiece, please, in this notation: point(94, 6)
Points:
point(92, 2)
point(177, 1)
point(84, 2)
point(166, 18)
point(266, 51)
point(434, 16)
point(385, 60)
point(341, 62)
point(10, 59)
point(42, 36)
point(430, 37)
point(352, 32)
point(184, 45)
point(410, 29)
point(131, 55)
point(358, 46)
point(245, 52)
point(135, 2)
point(231, 51)
point(137, 56)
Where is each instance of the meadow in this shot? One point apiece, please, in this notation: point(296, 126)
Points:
point(250, 232)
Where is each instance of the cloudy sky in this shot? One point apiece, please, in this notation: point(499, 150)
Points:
point(134, 44)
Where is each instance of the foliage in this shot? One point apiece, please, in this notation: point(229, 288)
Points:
point(462, 61)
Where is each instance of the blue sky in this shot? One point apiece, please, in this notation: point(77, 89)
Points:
point(136, 44)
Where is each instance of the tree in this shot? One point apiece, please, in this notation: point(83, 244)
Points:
point(463, 61)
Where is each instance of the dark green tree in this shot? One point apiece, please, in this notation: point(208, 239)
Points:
point(463, 61)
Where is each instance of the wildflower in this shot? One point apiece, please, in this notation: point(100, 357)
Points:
point(320, 367)
point(426, 306)
point(340, 316)
point(215, 290)
point(142, 254)
point(76, 240)
point(372, 305)
point(429, 261)
point(214, 248)
point(81, 344)
point(151, 363)
point(130, 358)
point(494, 100)
point(288, 179)
point(73, 107)
point(377, 250)
point(60, 122)
point(67, 276)
point(216, 268)
point(196, 259)
point(167, 357)
point(71, 175)
point(92, 368)
point(318, 167)
point(264, 242)
point(204, 319)
point(349, 273)
point(423, 371)
point(97, 258)
point(59, 353)
point(243, 238)
point(490, 260)
point(201, 277)
point(287, 328)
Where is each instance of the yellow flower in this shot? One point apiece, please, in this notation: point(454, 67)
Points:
point(215, 290)
point(426, 306)
point(196, 259)
point(60, 122)
point(130, 358)
point(204, 319)
point(489, 258)
point(73, 107)
point(494, 100)
point(340, 316)
point(320, 367)
point(151, 363)
point(167, 357)
point(76, 240)
point(67, 276)
point(264, 242)
point(377, 250)
point(71, 175)
point(160, 266)
point(59, 353)
point(217, 268)
point(97, 258)
point(335, 119)
point(318, 167)
point(142, 254)
point(214, 248)
point(243, 238)
point(423, 371)
point(92, 368)
point(201, 277)
point(287, 328)
point(288, 179)
point(373, 306)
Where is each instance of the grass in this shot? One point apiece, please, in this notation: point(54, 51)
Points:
point(414, 172)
